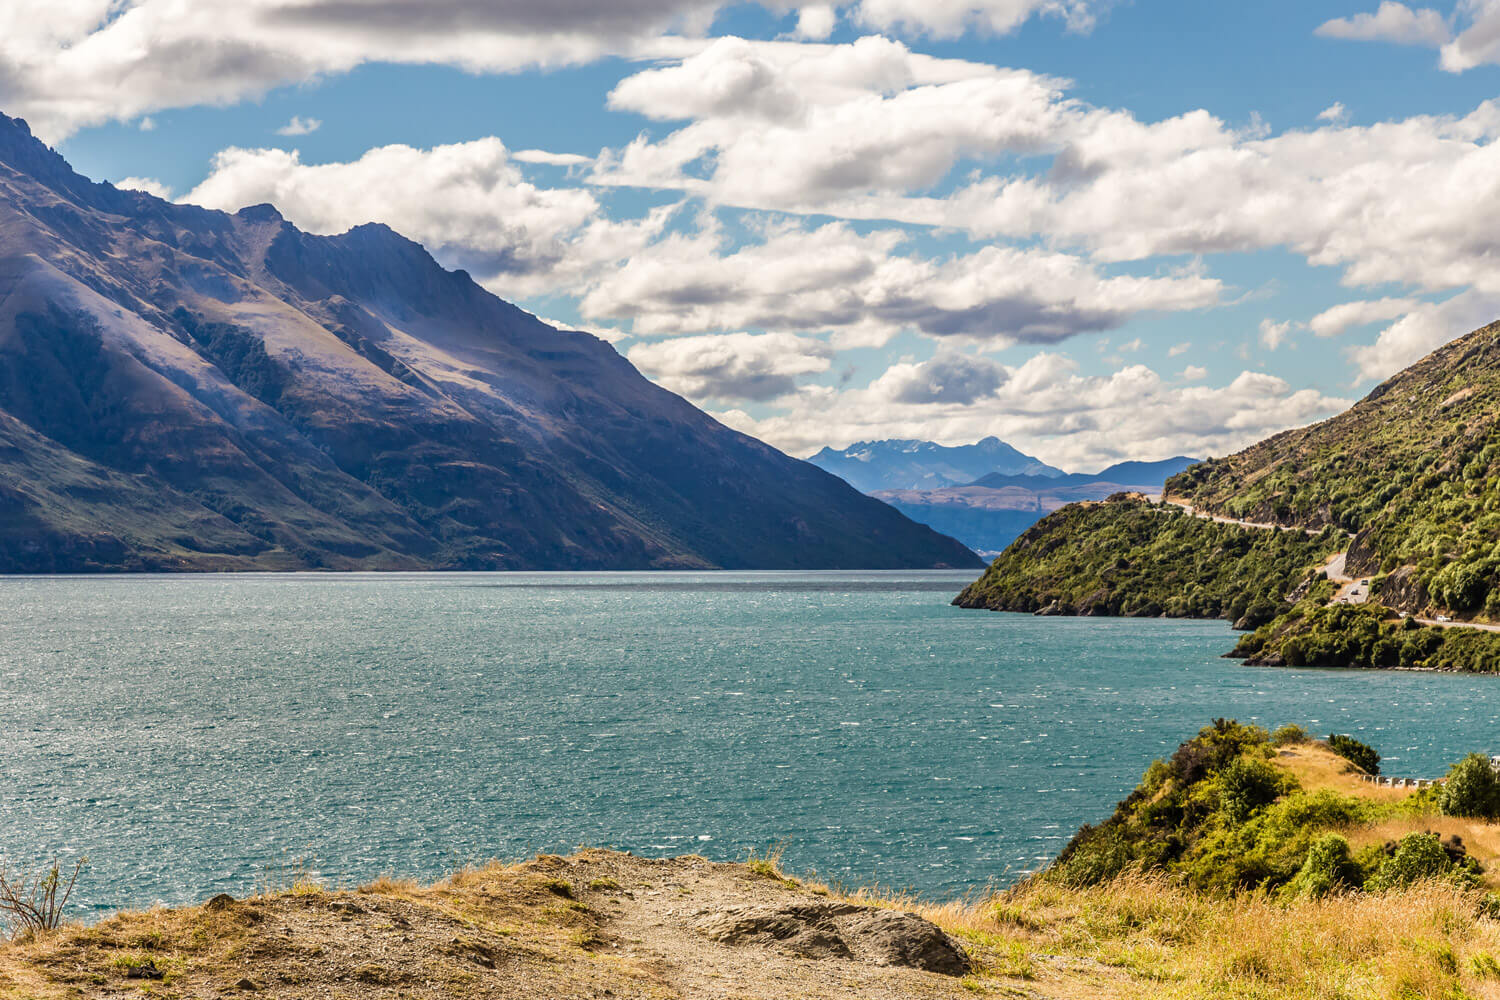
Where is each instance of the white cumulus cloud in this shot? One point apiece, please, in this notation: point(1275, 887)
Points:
point(1274, 334)
point(468, 203)
point(950, 18)
point(732, 366)
point(67, 64)
point(1391, 22)
point(300, 126)
point(1336, 320)
point(867, 288)
point(1425, 328)
point(150, 185)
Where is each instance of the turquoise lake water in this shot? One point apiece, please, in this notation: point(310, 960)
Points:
point(191, 733)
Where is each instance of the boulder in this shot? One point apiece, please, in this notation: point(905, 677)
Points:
point(840, 930)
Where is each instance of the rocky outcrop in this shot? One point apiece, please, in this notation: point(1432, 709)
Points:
point(840, 930)
point(1403, 590)
point(1362, 559)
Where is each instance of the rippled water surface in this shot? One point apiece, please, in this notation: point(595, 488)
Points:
point(192, 733)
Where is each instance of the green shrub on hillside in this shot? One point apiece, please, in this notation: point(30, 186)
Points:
point(1472, 789)
point(1361, 755)
point(1219, 816)
point(1245, 785)
point(1288, 735)
point(1419, 857)
point(1328, 868)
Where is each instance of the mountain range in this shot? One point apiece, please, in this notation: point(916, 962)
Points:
point(870, 466)
point(990, 513)
point(185, 389)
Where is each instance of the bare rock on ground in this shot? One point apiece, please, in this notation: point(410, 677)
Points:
point(841, 930)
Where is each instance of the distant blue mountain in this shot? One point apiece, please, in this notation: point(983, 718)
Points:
point(921, 465)
point(1154, 473)
point(1134, 474)
point(988, 514)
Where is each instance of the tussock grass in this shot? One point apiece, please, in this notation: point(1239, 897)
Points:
point(1153, 938)
point(768, 866)
point(390, 885)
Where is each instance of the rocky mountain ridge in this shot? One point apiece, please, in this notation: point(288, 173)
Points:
point(870, 466)
point(185, 389)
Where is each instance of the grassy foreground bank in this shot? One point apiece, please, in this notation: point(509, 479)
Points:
point(623, 928)
point(1245, 866)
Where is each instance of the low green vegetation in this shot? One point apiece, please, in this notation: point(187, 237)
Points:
point(1223, 817)
point(1366, 635)
point(1129, 557)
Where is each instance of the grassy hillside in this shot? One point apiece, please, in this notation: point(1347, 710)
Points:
point(1236, 809)
point(1413, 470)
point(1129, 557)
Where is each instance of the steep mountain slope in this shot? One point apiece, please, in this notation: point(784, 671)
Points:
point(990, 514)
point(921, 465)
point(1412, 471)
point(187, 389)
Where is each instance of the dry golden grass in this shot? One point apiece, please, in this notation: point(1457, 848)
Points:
point(1317, 768)
point(1143, 937)
point(1146, 937)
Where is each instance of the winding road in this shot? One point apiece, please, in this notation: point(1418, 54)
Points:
point(1352, 590)
point(1230, 520)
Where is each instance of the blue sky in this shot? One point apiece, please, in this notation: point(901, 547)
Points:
point(1099, 230)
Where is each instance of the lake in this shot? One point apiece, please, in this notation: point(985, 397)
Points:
point(202, 734)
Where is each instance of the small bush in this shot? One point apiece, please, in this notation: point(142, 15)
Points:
point(1328, 867)
point(1214, 747)
point(1289, 735)
point(1417, 858)
point(1094, 855)
point(1472, 789)
point(35, 901)
point(1246, 785)
point(1361, 755)
point(558, 887)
